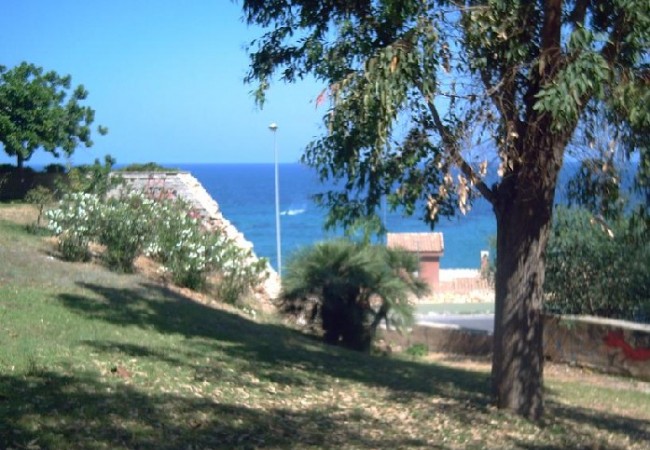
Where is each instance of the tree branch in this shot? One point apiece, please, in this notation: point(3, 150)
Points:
point(549, 60)
point(579, 12)
point(552, 28)
point(450, 146)
point(611, 49)
point(503, 95)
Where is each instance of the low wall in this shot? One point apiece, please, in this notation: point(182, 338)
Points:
point(610, 346)
point(461, 285)
point(441, 339)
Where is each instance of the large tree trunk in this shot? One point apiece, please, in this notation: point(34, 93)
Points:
point(524, 213)
point(20, 162)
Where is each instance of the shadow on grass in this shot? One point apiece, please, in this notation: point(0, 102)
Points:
point(637, 429)
point(117, 415)
point(270, 351)
point(49, 410)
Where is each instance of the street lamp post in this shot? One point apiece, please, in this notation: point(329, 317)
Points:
point(273, 127)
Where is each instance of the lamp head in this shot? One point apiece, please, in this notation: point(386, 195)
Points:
point(273, 126)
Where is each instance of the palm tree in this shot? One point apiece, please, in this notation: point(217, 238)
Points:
point(349, 288)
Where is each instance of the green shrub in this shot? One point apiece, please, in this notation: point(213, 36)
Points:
point(95, 178)
point(164, 229)
point(178, 241)
point(597, 268)
point(74, 223)
point(125, 226)
point(239, 274)
point(190, 254)
point(147, 167)
point(11, 169)
point(55, 168)
point(74, 247)
point(193, 257)
point(417, 350)
point(349, 288)
point(40, 196)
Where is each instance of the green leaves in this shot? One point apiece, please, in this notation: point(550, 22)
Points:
point(597, 268)
point(382, 64)
point(130, 224)
point(38, 111)
point(586, 76)
point(349, 288)
point(420, 91)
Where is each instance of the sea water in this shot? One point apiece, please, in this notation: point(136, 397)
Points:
point(246, 195)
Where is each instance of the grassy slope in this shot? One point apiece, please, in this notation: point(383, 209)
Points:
point(90, 359)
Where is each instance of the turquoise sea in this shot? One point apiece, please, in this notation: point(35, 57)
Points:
point(245, 193)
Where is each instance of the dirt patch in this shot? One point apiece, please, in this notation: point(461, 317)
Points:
point(21, 214)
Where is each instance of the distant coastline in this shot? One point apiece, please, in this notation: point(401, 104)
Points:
point(245, 194)
point(246, 197)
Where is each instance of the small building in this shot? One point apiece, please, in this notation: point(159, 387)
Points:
point(429, 248)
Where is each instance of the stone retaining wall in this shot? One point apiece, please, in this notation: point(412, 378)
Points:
point(177, 184)
point(463, 286)
point(442, 339)
point(460, 286)
point(610, 346)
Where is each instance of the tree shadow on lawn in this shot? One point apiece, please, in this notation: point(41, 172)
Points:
point(637, 429)
point(580, 425)
point(277, 354)
point(49, 410)
point(266, 350)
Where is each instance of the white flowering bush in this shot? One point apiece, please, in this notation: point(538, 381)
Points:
point(74, 223)
point(178, 241)
point(239, 273)
point(163, 229)
point(190, 253)
point(125, 226)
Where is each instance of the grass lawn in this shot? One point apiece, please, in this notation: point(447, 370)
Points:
point(94, 360)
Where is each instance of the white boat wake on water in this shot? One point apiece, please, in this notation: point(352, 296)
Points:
point(292, 212)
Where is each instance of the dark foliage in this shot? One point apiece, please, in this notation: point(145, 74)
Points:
point(598, 268)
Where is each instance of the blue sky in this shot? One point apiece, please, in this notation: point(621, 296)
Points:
point(166, 78)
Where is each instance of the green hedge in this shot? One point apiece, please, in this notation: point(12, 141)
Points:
point(598, 268)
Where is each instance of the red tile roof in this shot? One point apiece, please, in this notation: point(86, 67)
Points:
point(417, 242)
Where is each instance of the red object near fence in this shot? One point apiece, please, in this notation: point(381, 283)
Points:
point(617, 340)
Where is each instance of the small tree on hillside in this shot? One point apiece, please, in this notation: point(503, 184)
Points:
point(37, 110)
point(414, 85)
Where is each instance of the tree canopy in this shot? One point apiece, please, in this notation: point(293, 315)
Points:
point(39, 109)
point(414, 85)
point(425, 96)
